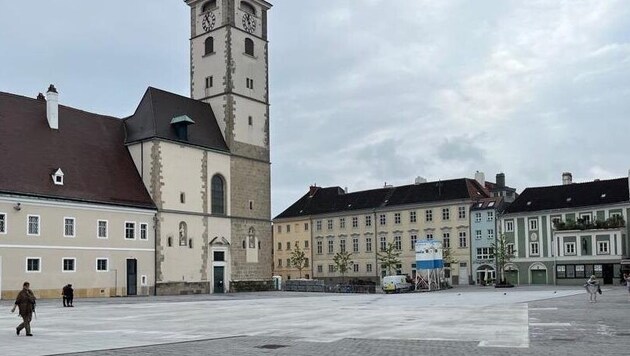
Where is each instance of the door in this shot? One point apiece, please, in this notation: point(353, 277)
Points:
point(607, 272)
point(132, 276)
point(511, 277)
point(539, 276)
point(218, 279)
point(463, 276)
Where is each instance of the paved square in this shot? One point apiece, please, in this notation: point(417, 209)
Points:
point(486, 320)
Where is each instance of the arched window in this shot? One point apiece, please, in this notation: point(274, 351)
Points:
point(209, 5)
point(218, 195)
point(183, 234)
point(247, 7)
point(251, 236)
point(209, 45)
point(249, 46)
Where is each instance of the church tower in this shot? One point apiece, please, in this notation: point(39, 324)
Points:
point(229, 70)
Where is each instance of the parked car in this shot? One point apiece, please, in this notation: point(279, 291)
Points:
point(396, 284)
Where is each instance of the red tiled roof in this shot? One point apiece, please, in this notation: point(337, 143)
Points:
point(89, 148)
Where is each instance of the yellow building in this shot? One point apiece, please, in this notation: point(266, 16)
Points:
point(289, 235)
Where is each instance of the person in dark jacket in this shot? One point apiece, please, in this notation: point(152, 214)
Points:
point(26, 302)
point(64, 294)
point(70, 295)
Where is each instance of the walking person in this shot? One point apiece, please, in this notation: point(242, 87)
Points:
point(70, 295)
point(64, 294)
point(592, 287)
point(26, 302)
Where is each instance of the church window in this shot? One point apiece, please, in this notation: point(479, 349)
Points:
point(182, 197)
point(251, 236)
point(251, 205)
point(209, 6)
point(250, 121)
point(209, 45)
point(249, 46)
point(209, 82)
point(247, 7)
point(183, 234)
point(169, 241)
point(190, 243)
point(218, 195)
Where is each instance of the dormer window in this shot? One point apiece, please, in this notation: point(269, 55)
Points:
point(57, 177)
point(180, 124)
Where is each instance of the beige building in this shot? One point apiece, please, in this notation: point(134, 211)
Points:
point(364, 222)
point(289, 234)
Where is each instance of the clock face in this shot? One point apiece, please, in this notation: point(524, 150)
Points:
point(249, 23)
point(208, 21)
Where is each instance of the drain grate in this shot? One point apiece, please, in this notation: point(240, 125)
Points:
point(271, 346)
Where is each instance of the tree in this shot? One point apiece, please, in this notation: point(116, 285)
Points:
point(502, 256)
point(298, 259)
point(388, 258)
point(342, 262)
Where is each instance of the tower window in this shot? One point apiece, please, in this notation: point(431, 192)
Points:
point(218, 195)
point(209, 82)
point(251, 205)
point(209, 6)
point(249, 83)
point(182, 197)
point(209, 45)
point(250, 121)
point(249, 46)
point(247, 7)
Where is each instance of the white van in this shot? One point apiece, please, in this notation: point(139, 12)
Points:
point(396, 284)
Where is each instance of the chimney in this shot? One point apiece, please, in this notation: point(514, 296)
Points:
point(481, 178)
point(420, 180)
point(567, 178)
point(52, 107)
point(312, 190)
point(500, 180)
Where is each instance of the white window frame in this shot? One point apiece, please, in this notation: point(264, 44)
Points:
point(531, 250)
point(355, 267)
point(125, 230)
point(74, 226)
point(106, 264)
point(4, 219)
point(490, 216)
point(397, 218)
point(566, 249)
point(342, 223)
point(98, 232)
point(478, 234)
point(414, 239)
point(509, 248)
point(39, 225)
point(39, 264)
point(428, 215)
point(532, 223)
point(599, 247)
point(146, 232)
point(446, 214)
point(63, 264)
point(318, 225)
point(398, 243)
point(355, 222)
point(413, 217)
point(461, 212)
point(329, 224)
point(477, 217)
point(490, 234)
point(463, 238)
point(509, 225)
point(382, 219)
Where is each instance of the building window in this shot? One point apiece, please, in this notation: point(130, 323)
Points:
point(279, 229)
point(218, 195)
point(490, 216)
point(288, 245)
point(414, 239)
point(209, 46)
point(249, 83)
point(397, 243)
point(446, 214)
point(68, 227)
point(382, 219)
point(33, 264)
point(249, 47)
point(331, 268)
point(68, 264)
point(318, 225)
point(579, 271)
point(510, 249)
point(3, 223)
point(305, 226)
point(342, 223)
point(412, 217)
point(33, 225)
point(305, 243)
point(368, 220)
point(490, 234)
point(478, 234)
point(429, 236)
point(279, 262)
point(102, 229)
point(368, 267)
point(288, 262)
point(279, 246)
point(306, 263)
point(209, 82)
point(250, 121)
point(477, 217)
point(342, 245)
point(330, 224)
point(569, 248)
point(320, 269)
point(446, 239)
point(355, 267)
point(383, 241)
point(533, 224)
point(602, 248)
point(396, 218)
point(331, 246)
point(484, 253)
point(462, 239)
point(102, 265)
point(355, 222)
point(355, 244)
point(368, 244)
point(288, 228)
point(561, 271)
point(144, 231)
point(509, 226)
point(533, 249)
point(461, 212)
point(320, 247)
point(130, 230)
point(428, 215)
point(251, 205)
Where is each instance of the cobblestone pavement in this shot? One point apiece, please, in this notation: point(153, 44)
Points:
point(558, 326)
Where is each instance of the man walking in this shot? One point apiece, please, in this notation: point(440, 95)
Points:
point(26, 302)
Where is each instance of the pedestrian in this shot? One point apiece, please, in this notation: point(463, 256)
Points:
point(64, 294)
point(592, 287)
point(26, 302)
point(626, 277)
point(70, 295)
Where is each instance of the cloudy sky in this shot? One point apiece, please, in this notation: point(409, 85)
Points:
point(371, 91)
